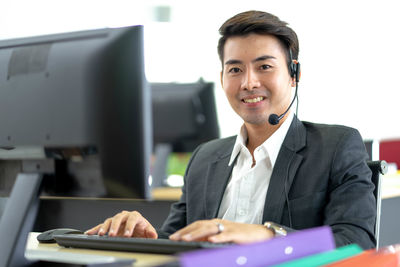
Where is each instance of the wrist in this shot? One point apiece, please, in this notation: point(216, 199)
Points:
point(276, 229)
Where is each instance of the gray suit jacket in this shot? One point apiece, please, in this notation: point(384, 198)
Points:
point(327, 183)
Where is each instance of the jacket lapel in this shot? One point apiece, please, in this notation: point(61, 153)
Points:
point(285, 169)
point(217, 177)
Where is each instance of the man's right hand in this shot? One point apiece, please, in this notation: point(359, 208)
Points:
point(126, 224)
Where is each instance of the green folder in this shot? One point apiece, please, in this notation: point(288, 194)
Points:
point(325, 257)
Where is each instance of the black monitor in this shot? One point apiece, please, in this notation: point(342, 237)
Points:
point(184, 116)
point(81, 98)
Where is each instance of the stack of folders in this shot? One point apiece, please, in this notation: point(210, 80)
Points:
point(384, 257)
point(350, 256)
point(312, 247)
point(275, 251)
point(324, 258)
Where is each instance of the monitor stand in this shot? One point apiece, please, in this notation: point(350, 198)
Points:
point(159, 173)
point(18, 219)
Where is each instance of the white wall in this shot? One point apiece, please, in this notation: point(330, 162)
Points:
point(349, 50)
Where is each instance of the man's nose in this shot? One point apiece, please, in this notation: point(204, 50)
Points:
point(250, 81)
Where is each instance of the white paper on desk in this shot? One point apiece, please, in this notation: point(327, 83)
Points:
point(70, 257)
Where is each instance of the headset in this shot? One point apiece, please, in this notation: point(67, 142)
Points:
point(294, 71)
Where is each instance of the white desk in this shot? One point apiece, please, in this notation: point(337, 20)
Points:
point(47, 251)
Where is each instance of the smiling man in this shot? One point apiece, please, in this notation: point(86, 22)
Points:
point(257, 83)
point(277, 175)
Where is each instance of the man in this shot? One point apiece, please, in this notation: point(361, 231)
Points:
point(278, 171)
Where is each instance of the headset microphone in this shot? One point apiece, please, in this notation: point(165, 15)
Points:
point(294, 69)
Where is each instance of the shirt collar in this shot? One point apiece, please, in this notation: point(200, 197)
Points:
point(272, 144)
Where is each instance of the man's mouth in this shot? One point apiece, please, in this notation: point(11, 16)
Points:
point(253, 100)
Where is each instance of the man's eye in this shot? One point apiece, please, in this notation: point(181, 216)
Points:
point(234, 70)
point(265, 67)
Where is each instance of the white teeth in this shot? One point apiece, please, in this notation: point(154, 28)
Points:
point(253, 100)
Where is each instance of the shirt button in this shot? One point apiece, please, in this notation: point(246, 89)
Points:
point(242, 212)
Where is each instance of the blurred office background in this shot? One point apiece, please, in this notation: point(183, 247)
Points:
point(348, 49)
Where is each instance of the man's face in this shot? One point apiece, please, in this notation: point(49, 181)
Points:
point(255, 77)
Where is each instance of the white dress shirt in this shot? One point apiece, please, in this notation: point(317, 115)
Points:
point(244, 196)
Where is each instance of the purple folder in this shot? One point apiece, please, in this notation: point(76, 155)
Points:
point(274, 251)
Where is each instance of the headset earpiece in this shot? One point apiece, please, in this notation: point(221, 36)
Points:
point(297, 71)
point(294, 68)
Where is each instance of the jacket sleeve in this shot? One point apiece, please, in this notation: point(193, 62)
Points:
point(351, 206)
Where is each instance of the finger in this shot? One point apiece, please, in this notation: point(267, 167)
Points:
point(139, 230)
point(200, 233)
point(221, 238)
point(196, 231)
point(116, 222)
point(145, 229)
point(121, 230)
point(104, 227)
point(93, 230)
point(184, 231)
point(132, 224)
point(138, 226)
point(151, 232)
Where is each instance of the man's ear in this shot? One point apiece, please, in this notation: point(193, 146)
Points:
point(222, 78)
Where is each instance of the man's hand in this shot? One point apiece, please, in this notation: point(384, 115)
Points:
point(209, 230)
point(126, 224)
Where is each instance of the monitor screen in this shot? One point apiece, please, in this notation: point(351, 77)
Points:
point(184, 116)
point(82, 98)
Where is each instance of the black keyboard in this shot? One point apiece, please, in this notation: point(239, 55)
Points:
point(131, 244)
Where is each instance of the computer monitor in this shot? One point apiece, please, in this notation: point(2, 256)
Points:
point(78, 96)
point(83, 98)
point(184, 116)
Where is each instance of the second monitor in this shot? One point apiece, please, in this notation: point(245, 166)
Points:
point(184, 116)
